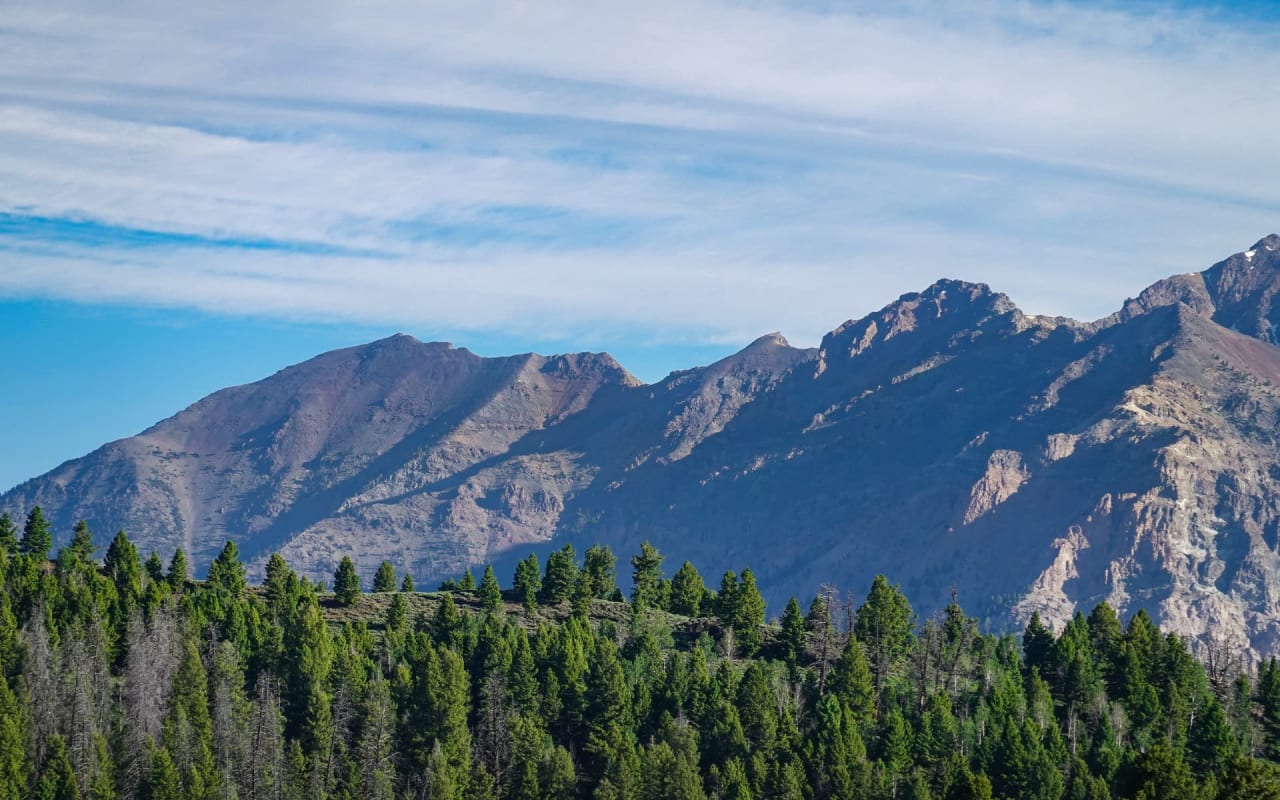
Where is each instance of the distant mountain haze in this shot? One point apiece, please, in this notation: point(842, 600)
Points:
point(947, 440)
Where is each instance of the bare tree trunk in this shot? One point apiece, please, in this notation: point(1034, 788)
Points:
point(146, 688)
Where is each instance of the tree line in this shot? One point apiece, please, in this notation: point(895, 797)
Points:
point(124, 678)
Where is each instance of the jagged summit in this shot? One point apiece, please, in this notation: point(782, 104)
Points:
point(946, 439)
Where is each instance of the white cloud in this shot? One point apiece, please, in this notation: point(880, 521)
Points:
point(707, 170)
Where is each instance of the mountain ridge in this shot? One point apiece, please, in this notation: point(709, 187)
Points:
point(1037, 463)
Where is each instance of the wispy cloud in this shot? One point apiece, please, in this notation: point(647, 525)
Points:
point(701, 170)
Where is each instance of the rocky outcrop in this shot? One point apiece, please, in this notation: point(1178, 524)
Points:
point(1035, 464)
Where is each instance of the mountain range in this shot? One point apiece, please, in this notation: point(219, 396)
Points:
point(949, 441)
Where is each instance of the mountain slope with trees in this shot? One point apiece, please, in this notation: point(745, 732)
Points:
point(124, 678)
point(1040, 465)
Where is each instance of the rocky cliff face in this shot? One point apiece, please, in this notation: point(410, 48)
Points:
point(947, 440)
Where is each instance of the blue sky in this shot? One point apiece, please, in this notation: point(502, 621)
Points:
point(195, 197)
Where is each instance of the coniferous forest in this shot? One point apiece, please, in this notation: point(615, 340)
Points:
point(123, 677)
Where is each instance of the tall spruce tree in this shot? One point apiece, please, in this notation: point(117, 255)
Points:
point(560, 577)
point(528, 581)
point(346, 582)
point(384, 580)
point(490, 593)
point(37, 540)
point(687, 591)
point(646, 574)
point(8, 535)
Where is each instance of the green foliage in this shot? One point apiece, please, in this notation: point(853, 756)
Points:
point(528, 581)
point(226, 573)
point(406, 585)
point(384, 580)
point(8, 536)
point(687, 591)
point(37, 539)
point(177, 576)
point(346, 582)
point(560, 578)
point(490, 593)
point(884, 626)
point(115, 684)
point(599, 572)
point(646, 574)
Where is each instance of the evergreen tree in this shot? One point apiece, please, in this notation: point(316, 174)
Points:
point(687, 591)
point(748, 614)
point(346, 582)
point(385, 578)
point(852, 681)
point(163, 781)
point(407, 584)
point(226, 572)
point(8, 535)
point(646, 573)
point(36, 537)
point(57, 779)
point(178, 572)
point(468, 582)
point(397, 614)
point(154, 568)
point(560, 578)
point(793, 631)
point(884, 625)
point(13, 744)
point(490, 593)
point(81, 546)
point(528, 580)
point(599, 572)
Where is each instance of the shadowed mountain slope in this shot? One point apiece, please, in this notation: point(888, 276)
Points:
point(946, 440)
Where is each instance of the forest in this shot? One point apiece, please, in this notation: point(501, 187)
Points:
point(124, 677)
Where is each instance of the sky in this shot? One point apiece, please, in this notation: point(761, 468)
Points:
point(197, 195)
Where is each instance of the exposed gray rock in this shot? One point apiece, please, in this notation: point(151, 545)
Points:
point(1036, 464)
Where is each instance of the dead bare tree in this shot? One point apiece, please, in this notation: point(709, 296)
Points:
point(375, 751)
point(41, 674)
point(229, 717)
point(265, 767)
point(146, 687)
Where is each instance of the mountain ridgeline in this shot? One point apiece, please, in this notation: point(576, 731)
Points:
point(1037, 464)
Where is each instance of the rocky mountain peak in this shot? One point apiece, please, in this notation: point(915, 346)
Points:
point(947, 311)
point(943, 439)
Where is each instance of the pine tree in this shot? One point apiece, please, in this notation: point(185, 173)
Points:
point(385, 578)
point(1211, 743)
point(346, 582)
point(599, 572)
point(8, 535)
point(36, 538)
point(646, 573)
point(226, 572)
point(884, 625)
point(793, 631)
point(178, 571)
point(153, 567)
point(80, 547)
point(748, 614)
point(468, 582)
point(407, 584)
point(397, 613)
point(57, 781)
point(528, 580)
point(13, 745)
point(852, 681)
point(490, 593)
point(687, 591)
point(163, 781)
point(560, 577)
